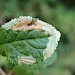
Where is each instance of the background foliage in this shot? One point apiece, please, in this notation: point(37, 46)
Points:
point(61, 14)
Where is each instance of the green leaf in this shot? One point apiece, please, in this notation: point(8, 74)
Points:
point(35, 69)
point(14, 44)
point(50, 60)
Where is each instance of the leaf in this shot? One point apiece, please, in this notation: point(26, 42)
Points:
point(50, 60)
point(28, 40)
point(15, 44)
point(35, 69)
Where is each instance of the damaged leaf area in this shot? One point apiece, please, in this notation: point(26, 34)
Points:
point(27, 40)
point(26, 25)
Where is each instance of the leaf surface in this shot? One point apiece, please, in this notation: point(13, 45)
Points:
point(22, 43)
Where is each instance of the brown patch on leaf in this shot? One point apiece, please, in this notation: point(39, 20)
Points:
point(20, 24)
point(32, 27)
point(27, 25)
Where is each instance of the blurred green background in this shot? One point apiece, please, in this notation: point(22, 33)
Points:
point(59, 13)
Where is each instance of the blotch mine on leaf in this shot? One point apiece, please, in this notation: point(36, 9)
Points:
point(26, 23)
point(26, 60)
